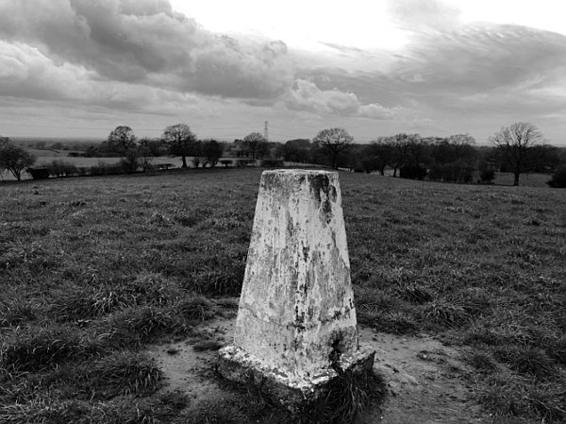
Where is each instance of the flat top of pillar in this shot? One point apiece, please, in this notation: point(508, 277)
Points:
point(298, 172)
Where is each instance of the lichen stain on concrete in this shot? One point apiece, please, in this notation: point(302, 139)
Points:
point(296, 305)
point(325, 194)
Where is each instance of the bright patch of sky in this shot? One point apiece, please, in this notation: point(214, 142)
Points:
point(301, 24)
point(363, 24)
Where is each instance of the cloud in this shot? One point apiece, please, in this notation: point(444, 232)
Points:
point(232, 69)
point(480, 56)
point(501, 65)
point(376, 111)
point(305, 95)
point(446, 70)
point(144, 41)
point(468, 78)
point(25, 72)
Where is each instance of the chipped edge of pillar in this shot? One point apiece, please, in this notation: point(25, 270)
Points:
point(236, 365)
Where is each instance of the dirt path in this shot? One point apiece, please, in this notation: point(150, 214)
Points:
point(424, 378)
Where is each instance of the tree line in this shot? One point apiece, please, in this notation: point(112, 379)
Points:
point(176, 140)
point(518, 148)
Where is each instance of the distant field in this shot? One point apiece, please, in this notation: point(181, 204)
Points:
point(527, 180)
point(47, 156)
point(44, 157)
point(29, 141)
point(94, 269)
point(44, 160)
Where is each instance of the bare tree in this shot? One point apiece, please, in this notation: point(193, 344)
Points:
point(399, 145)
point(461, 140)
point(181, 140)
point(514, 143)
point(333, 141)
point(256, 144)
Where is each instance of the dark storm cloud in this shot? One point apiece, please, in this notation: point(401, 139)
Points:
point(145, 41)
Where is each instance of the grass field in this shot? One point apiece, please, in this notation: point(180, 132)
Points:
point(45, 157)
point(94, 269)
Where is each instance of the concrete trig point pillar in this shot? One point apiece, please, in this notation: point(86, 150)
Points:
point(296, 328)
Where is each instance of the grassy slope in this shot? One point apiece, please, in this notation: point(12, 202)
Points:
point(97, 267)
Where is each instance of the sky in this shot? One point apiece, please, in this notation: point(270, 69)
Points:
point(79, 68)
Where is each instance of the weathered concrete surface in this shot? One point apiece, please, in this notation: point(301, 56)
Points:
point(290, 391)
point(296, 321)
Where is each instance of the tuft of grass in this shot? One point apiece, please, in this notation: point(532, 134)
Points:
point(147, 289)
point(445, 314)
point(137, 326)
point(479, 336)
point(121, 410)
point(506, 395)
point(389, 322)
point(372, 300)
point(481, 361)
point(121, 373)
point(15, 312)
point(216, 282)
point(196, 308)
point(526, 360)
point(118, 373)
point(557, 349)
point(475, 301)
point(415, 293)
point(76, 304)
point(151, 289)
point(347, 396)
point(36, 349)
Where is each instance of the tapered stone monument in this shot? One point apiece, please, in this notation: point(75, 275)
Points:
point(296, 328)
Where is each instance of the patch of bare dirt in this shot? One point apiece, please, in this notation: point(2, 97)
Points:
point(188, 366)
point(425, 378)
point(425, 381)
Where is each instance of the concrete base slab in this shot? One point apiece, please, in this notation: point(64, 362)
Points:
point(290, 391)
